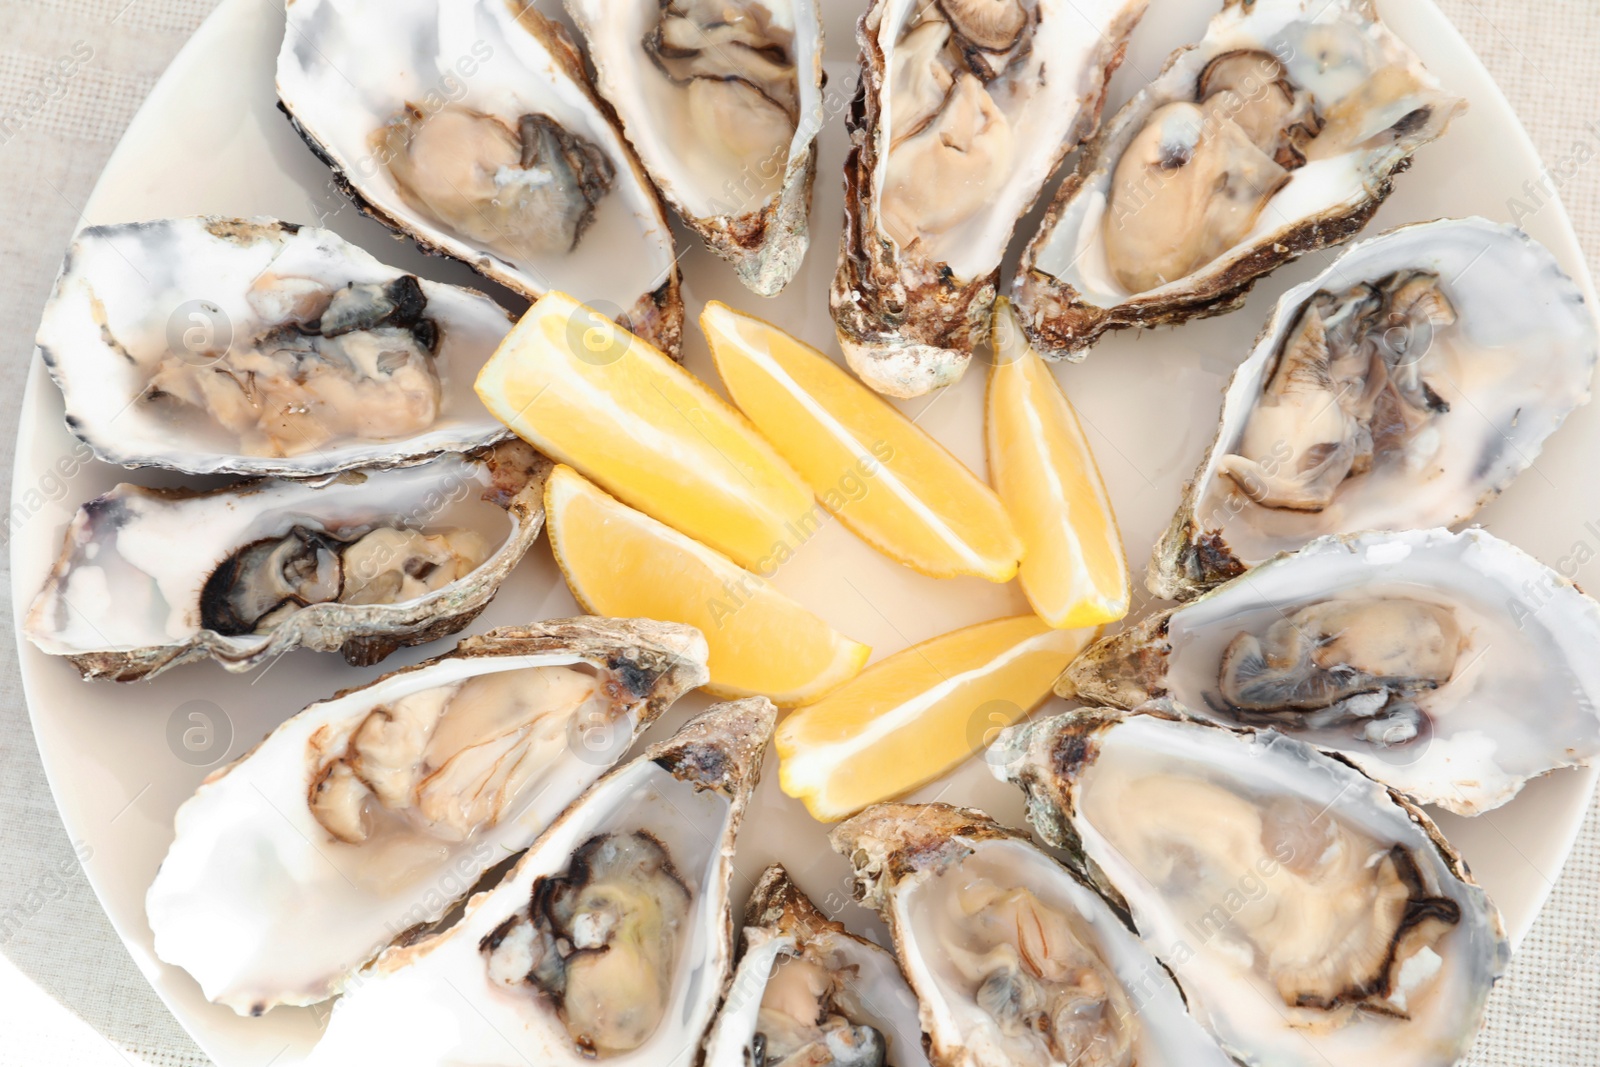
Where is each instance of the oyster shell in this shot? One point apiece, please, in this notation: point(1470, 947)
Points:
point(722, 99)
point(1451, 666)
point(807, 993)
point(610, 939)
point(1018, 962)
point(365, 564)
point(251, 346)
point(1401, 389)
point(1279, 133)
point(369, 814)
point(470, 126)
point(964, 109)
point(1310, 915)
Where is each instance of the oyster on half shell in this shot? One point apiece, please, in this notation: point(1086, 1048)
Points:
point(1401, 389)
point(1310, 915)
point(366, 816)
point(722, 99)
point(609, 940)
point(1451, 666)
point(252, 346)
point(470, 126)
point(964, 110)
point(807, 993)
point(1279, 133)
point(1018, 962)
point(367, 563)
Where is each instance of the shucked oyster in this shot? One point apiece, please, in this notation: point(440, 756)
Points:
point(150, 579)
point(1017, 961)
point(1403, 388)
point(1310, 915)
point(470, 125)
point(610, 939)
point(722, 99)
point(369, 814)
point(1451, 666)
point(1278, 134)
point(214, 345)
point(809, 994)
point(964, 110)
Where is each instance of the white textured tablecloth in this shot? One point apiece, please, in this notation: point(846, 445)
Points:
point(72, 73)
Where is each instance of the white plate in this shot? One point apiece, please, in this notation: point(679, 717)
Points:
point(211, 140)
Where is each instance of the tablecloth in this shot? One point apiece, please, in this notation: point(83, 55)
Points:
point(73, 72)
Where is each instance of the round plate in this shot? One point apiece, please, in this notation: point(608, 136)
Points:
point(210, 140)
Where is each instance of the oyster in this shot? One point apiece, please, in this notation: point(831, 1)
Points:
point(1017, 961)
point(1279, 133)
point(368, 815)
point(1310, 915)
point(610, 939)
point(809, 994)
point(722, 99)
point(471, 126)
point(964, 109)
point(365, 564)
point(1401, 389)
point(1453, 667)
point(250, 346)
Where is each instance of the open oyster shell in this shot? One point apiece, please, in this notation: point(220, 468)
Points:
point(252, 346)
point(1451, 666)
point(470, 126)
point(1401, 389)
point(963, 111)
point(1018, 962)
point(723, 103)
point(1310, 915)
point(807, 993)
point(364, 564)
point(611, 938)
point(368, 815)
point(1279, 133)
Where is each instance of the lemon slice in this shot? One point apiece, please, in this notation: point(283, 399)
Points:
point(1074, 572)
point(619, 562)
point(588, 393)
point(919, 713)
point(894, 486)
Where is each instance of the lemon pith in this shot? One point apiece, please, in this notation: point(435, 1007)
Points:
point(620, 562)
point(887, 480)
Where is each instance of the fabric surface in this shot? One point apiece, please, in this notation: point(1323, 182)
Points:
point(73, 72)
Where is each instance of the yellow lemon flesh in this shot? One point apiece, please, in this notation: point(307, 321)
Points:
point(590, 394)
point(921, 506)
point(622, 563)
point(919, 713)
point(1074, 571)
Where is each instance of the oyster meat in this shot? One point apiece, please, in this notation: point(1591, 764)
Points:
point(1310, 915)
point(1401, 389)
point(470, 126)
point(365, 564)
point(963, 111)
point(1451, 666)
point(1018, 962)
point(609, 940)
point(807, 993)
point(1279, 133)
point(251, 346)
point(722, 99)
point(365, 817)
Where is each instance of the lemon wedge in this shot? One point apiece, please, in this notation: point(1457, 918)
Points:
point(622, 563)
point(890, 483)
point(588, 393)
point(919, 713)
point(1074, 572)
